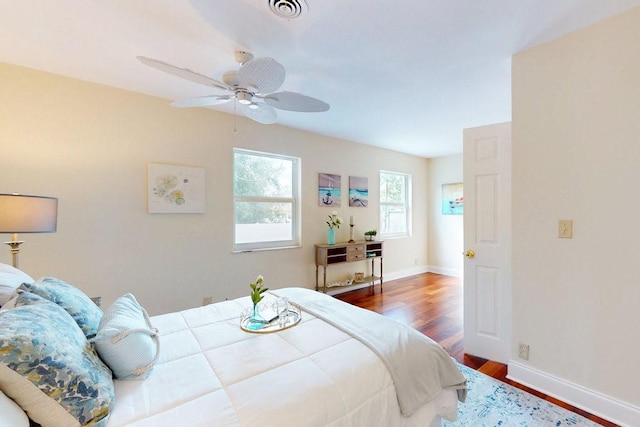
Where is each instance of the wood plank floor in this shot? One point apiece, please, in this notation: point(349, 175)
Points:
point(432, 304)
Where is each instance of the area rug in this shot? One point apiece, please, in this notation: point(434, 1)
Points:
point(493, 403)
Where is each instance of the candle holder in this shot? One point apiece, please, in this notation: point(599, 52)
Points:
point(351, 234)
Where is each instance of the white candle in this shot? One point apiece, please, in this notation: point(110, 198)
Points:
point(351, 221)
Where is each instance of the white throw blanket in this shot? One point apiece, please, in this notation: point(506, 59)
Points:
point(420, 367)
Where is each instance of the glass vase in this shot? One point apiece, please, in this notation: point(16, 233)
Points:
point(256, 321)
point(331, 236)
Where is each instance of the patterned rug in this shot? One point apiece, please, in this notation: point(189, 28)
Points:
point(493, 403)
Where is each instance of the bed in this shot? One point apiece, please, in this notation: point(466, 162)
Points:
point(339, 366)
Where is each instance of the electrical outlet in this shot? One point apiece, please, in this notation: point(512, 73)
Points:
point(523, 351)
point(207, 300)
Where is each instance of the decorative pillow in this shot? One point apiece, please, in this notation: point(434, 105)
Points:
point(49, 368)
point(86, 314)
point(12, 414)
point(10, 279)
point(126, 342)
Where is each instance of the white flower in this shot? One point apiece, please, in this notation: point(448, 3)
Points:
point(334, 220)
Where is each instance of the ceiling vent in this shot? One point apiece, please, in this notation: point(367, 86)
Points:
point(287, 9)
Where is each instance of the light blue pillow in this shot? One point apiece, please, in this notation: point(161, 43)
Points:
point(84, 311)
point(49, 368)
point(126, 341)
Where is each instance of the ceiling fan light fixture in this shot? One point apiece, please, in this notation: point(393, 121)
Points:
point(243, 97)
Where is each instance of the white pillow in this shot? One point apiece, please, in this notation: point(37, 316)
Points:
point(10, 279)
point(125, 341)
point(12, 414)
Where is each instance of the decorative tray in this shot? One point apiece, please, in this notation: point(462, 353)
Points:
point(279, 323)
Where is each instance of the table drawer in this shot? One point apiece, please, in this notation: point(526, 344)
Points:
point(355, 256)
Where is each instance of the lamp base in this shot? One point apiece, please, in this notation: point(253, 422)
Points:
point(15, 248)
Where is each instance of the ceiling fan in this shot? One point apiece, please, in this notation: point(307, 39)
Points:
point(253, 86)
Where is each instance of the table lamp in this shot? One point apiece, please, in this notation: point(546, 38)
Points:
point(26, 214)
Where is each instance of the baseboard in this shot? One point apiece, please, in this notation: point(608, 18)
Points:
point(406, 273)
point(445, 271)
point(596, 403)
point(419, 269)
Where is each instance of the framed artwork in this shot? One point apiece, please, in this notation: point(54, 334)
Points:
point(329, 190)
point(175, 188)
point(452, 199)
point(358, 191)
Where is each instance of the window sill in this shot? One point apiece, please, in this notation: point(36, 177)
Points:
point(394, 236)
point(278, 248)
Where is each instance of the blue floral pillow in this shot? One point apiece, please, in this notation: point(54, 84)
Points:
point(49, 368)
point(84, 311)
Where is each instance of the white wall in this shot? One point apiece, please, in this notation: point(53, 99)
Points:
point(446, 237)
point(576, 155)
point(89, 145)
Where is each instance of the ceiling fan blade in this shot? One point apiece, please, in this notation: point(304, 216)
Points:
point(261, 75)
point(293, 101)
point(260, 112)
point(184, 73)
point(203, 101)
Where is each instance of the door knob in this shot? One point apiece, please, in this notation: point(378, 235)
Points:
point(469, 253)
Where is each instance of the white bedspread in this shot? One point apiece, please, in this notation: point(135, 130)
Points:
point(211, 373)
point(419, 366)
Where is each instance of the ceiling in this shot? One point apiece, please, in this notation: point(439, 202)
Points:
point(404, 75)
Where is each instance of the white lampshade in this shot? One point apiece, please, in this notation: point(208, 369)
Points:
point(28, 214)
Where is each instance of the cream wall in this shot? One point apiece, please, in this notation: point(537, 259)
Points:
point(446, 237)
point(576, 155)
point(89, 145)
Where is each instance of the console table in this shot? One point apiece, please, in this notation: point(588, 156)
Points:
point(348, 252)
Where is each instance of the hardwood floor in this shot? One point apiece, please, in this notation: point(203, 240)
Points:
point(432, 304)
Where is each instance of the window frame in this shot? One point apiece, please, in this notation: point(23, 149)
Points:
point(406, 204)
point(294, 200)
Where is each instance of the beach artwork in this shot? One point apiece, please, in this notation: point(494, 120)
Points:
point(452, 199)
point(358, 191)
point(329, 190)
point(175, 189)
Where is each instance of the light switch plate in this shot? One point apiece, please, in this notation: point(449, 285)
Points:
point(565, 229)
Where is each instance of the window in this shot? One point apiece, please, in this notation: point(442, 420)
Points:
point(395, 204)
point(266, 194)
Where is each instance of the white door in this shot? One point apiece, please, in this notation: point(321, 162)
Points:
point(487, 241)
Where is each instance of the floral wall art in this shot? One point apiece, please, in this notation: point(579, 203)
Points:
point(175, 189)
point(329, 191)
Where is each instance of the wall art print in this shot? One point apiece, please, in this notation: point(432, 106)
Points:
point(358, 191)
point(329, 190)
point(175, 188)
point(452, 199)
